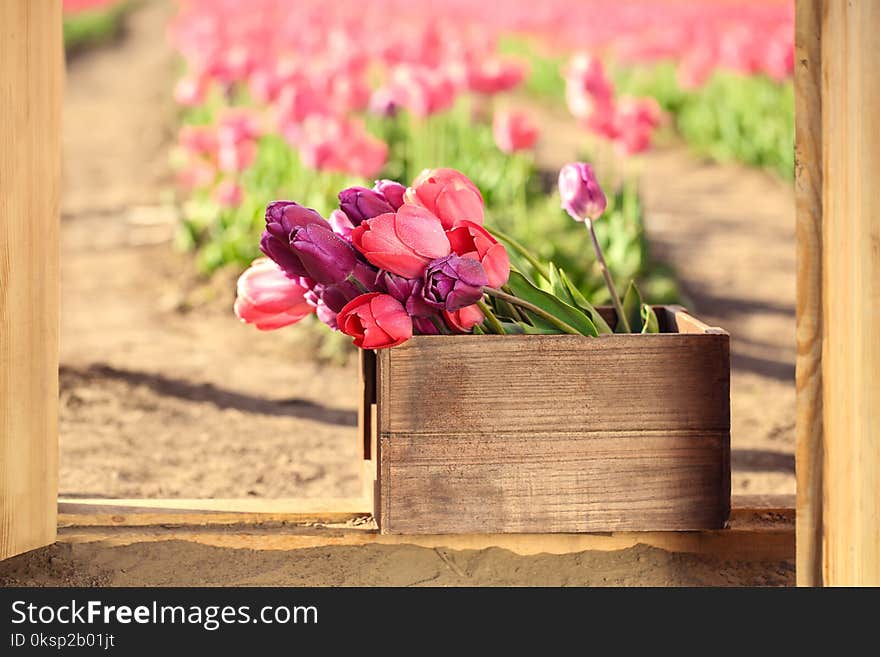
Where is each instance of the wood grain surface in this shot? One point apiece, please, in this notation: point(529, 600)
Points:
point(808, 196)
point(851, 298)
point(555, 433)
point(31, 71)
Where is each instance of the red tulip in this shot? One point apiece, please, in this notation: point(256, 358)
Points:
point(268, 299)
point(514, 131)
point(375, 321)
point(403, 242)
point(464, 319)
point(470, 240)
point(449, 194)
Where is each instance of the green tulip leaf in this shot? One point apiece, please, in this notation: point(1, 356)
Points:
point(632, 308)
point(520, 286)
point(649, 318)
point(581, 302)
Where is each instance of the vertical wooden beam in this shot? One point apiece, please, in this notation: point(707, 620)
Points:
point(31, 71)
point(851, 291)
point(808, 196)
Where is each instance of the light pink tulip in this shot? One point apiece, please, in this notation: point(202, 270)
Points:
point(268, 299)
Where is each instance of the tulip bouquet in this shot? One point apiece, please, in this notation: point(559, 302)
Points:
point(393, 261)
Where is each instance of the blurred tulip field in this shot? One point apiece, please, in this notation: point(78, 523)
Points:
point(183, 119)
point(91, 22)
point(270, 110)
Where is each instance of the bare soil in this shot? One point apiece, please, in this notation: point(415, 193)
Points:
point(164, 394)
point(180, 563)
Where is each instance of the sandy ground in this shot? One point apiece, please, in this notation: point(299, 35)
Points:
point(160, 398)
point(179, 563)
point(164, 394)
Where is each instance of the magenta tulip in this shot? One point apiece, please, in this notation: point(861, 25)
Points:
point(582, 196)
point(452, 282)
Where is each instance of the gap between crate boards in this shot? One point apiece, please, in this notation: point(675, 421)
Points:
point(761, 528)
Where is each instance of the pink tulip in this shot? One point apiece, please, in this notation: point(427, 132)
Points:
point(464, 319)
point(375, 321)
point(268, 299)
point(403, 242)
point(228, 194)
point(470, 240)
point(190, 91)
point(635, 122)
point(587, 89)
point(449, 195)
point(514, 131)
point(490, 75)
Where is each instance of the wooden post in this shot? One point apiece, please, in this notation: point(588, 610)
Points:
point(838, 83)
point(808, 194)
point(31, 71)
point(851, 296)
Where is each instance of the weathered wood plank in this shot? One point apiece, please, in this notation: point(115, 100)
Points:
point(851, 292)
point(556, 433)
point(31, 70)
point(760, 529)
point(86, 512)
point(437, 384)
point(808, 195)
point(593, 481)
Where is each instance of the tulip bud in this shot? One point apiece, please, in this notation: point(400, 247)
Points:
point(392, 190)
point(375, 321)
point(452, 282)
point(360, 204)
point(581, 195)
point(322, 254)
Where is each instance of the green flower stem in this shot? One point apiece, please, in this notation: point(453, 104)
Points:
point(436, 321)
point(351, 278)
point(509, 298)
point(491, 319)
point(523, 251)
point(609, 282)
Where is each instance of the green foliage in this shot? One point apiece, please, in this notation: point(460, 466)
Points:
point(224, 236)
point(94, 26)
point(732, 117)
point(545, 74)
point(747, 118)
point(520, 200)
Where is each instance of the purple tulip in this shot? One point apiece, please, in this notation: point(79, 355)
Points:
point(581, 195)
point(360, 203)
point(392, 191)
point(452, 282)
point(332, 298)
point(408, 291)
point(425, 326)
point(321, 254)
point(282, 218)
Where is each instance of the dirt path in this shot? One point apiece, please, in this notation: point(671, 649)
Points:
point(729, 233)
point(162, 399)
point(156, 401)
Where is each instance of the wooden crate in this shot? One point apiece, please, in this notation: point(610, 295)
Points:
point(557, 433)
